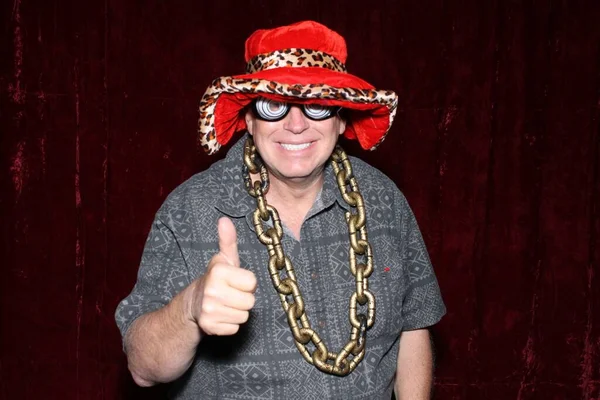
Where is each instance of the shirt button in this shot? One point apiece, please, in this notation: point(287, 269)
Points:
point(321, 323)
point(314, 275)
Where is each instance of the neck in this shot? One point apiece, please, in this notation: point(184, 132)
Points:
point(294, 192)
point(293, 199)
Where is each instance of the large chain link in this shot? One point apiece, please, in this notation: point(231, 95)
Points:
point(284, 278)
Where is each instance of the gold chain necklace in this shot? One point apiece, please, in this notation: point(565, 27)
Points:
point(353, 352)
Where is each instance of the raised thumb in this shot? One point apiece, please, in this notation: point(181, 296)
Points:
point(228, 241)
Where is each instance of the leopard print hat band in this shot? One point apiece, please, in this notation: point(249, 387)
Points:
point(295, 58)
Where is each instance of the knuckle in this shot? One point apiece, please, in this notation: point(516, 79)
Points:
point(211, 291)
point(212, 263)
point(244, 317)
point(251, 301)
point(222, 272)
point(207, 308)
point(216, 265)
point(213, 268)
point(232, 330)
point(206, 327)
point(252, 280)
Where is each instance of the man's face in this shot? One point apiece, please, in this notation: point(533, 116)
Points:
point(295, 148)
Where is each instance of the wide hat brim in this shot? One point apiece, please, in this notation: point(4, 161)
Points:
point(370, 116)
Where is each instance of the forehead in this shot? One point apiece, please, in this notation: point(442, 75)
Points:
point(294, 100)
point(278, 103)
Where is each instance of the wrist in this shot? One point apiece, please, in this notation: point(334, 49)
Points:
point(183, 306)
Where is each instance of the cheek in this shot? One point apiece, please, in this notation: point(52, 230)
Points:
point(263, 128)
point(334, 129)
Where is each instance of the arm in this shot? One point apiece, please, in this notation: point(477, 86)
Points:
point(414, 373)
point(422, 306)
point(161, 345)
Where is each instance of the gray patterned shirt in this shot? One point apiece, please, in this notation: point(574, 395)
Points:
point(261, 361)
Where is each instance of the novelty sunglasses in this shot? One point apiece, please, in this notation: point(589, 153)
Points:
point(274, 110)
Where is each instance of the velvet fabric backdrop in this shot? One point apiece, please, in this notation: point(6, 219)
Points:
point(496, 146)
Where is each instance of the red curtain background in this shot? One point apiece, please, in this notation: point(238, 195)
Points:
point(496, 146)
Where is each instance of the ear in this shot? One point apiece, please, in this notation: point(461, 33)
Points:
point(341, 125)
point(249, 118)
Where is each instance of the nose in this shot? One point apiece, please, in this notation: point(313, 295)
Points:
point(295, 121)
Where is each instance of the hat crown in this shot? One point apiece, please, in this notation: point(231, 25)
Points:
point(304, 35)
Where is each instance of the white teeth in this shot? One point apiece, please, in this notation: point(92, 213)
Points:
point(295, 147)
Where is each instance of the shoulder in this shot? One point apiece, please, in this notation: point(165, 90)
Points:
point(385, 202)
point(201, 189)
point(371, 180)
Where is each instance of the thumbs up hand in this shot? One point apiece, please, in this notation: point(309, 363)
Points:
point(224, 295)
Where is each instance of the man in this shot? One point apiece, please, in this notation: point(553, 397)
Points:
point(286, 270)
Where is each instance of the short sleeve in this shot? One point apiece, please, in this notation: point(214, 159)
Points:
point(422, 305)
point(163, 270)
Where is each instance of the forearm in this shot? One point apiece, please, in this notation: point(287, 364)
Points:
point(414, 374)
point(161, 345)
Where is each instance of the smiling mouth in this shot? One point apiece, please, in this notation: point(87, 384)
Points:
point(295, 147)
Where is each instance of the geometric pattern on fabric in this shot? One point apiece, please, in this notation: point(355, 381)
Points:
point(261, 361)
point(246, 381)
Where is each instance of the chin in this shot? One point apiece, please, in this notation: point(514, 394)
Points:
point(296, 174)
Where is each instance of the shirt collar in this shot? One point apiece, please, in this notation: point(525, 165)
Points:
point(329, 194)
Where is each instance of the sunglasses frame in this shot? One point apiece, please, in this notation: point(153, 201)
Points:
point(335, 111)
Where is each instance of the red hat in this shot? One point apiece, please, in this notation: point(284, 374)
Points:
point(303, 63)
